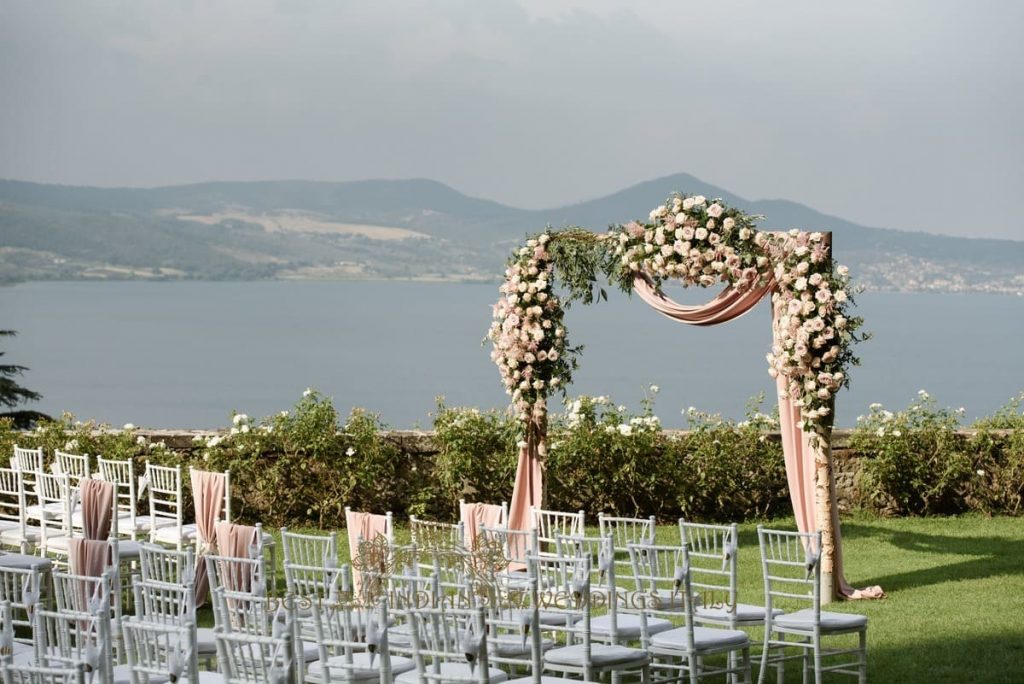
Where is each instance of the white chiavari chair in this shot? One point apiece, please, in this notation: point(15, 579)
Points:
point(550, 524)
point(662, 575)
point(791, 564)
point(14, 528)
point(352, 648)
point(449, 646)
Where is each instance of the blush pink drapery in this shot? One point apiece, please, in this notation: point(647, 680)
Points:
point(208, 494)
point(529, 485)
point(799, 452)
point(477, 515)
point(91, 556)
point(362, 527)
point(236, 541)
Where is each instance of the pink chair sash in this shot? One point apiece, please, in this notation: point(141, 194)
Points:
point(97, 508)
point(236, 541)
point(89, 557)
point(365, 527)
point(477, 515)
point(208, 494)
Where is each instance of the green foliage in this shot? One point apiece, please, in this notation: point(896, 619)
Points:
point(921, 462)
point(732, 471)
point(299, 466)
point(476, 458)
point(12, 393)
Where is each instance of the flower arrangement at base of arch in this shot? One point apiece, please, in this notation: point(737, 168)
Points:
point(698, 242)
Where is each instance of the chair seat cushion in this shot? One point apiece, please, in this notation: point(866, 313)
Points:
point(122, 675)
point(21, 560)
point(628, 625)
point(549, 617)
point(545, 679)
point(830, 622)
point(704, 639)
point(512, 646)
point(452, 672)
point(601, 655)
point(170, 534)
point(206, 642)
point(143, 523)
point(128, 549)
point(743, 612)
point(361, 668)
point(13, 534)
point(60, 543)
point(9, 525)
point(48, 511)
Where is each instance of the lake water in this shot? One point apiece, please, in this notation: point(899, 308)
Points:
point(186, 354)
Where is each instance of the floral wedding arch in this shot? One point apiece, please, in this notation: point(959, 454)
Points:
point(704, 243)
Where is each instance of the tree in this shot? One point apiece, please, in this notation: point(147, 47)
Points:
point(11, 393)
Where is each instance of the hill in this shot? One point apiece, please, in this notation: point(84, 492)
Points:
point(413, 228)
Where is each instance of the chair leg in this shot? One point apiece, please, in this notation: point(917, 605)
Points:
point(746, 665)
point(817, 660)
point(764, 656)
point(862, 676)
point(805, 662)
point(694, 667)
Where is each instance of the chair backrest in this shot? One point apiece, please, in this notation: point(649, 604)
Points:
point(518, 544)
point(310, 562)
point(21, 588)
point(83, 593)
point(430, 534)
point(170, 566)
point(242, 611)
point(661, 574)
point(122, 474)
point(550, 524)
point(451, 635)
point(34, 674)
point(256, 659)
point(165, 494)
point(237, 574)
point(54, 490)
point(343, 629)
point(159, 649)
point(12, 498)
point(164, 603)
point(598, 549)
point(28, 461)
point(713, 553)
point(76, 466)
point(626, 531)
point(73, 639)
point(791, 565)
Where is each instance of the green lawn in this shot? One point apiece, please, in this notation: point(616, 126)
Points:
point(955, 605)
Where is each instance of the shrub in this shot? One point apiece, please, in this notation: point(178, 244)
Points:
point(918, 463)
point(476, 459)
point(731, 471)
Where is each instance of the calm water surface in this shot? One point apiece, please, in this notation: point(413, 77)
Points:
point(186, 354)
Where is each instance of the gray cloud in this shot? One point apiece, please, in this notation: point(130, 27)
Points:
point(905, 115)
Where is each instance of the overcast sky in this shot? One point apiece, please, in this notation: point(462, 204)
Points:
point(907, 115)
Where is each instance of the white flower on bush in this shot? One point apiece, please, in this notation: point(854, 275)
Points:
point(128, 427)
point(625, 429)
point(654, 389)
point(350, 451)
point(308, 392)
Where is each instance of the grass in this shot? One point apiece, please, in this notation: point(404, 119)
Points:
point(954, 610)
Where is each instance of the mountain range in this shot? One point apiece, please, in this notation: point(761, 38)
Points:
point(418, 229)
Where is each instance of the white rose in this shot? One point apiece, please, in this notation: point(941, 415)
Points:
point(800, 284)
point(840, 296)
point(701, 233)
point(699, 200)
point(715, 210)
point(688, 204)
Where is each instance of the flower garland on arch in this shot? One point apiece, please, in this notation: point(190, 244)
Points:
point(698, 242)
